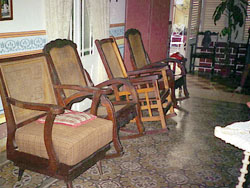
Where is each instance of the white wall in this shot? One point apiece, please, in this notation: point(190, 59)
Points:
point(28, 15)
point(117, 11)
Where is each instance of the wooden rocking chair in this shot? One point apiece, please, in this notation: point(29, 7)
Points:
point(66, 64)
point(154, 103)
point(140, 60)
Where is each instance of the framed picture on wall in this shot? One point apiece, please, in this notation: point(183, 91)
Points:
point(6, 11)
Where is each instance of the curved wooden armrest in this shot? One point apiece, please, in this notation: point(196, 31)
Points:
point(54, 109)
point(174, 60)
point(143, 79)
point(148, 70)
point(89, 89)
point(110, 114)
point(114, 81)
point(180, 64)
point(121, 81)
point(76, 87)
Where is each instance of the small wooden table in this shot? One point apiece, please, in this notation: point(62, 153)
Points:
point(238, 135)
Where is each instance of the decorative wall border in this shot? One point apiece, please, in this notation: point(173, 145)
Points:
point(22, 34)
point(22, 43)
point(117, 30)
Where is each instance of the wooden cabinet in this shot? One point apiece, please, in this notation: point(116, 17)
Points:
point(151, 18)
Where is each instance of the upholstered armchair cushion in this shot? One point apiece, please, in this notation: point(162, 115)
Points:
point(71, 118)
point(71, 144)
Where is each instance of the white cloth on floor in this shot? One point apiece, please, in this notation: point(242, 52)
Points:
point(237, 134)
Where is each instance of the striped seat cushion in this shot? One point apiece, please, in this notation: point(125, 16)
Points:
point(72, 145)
point(71, 118)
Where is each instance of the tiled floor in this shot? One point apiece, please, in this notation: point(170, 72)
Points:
point(188, 156)
point(204, 88)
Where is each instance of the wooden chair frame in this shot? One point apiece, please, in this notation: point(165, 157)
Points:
point(140, 60)
point(50, 166)
point(161, 100)
point(122, 116)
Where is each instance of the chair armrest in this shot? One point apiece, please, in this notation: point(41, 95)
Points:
point(143, 79)
point(87, 92)
point(80, 88)
point(54, 109)
point(114, 81)
point(148, 70)
point(121, 81)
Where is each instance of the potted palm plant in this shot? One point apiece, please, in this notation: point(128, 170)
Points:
point(235, 12)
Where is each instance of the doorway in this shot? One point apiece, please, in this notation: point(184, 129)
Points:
point(178, 36)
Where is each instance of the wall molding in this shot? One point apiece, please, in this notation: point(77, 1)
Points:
point(22, 43)
point(117, 25)
point(22, 34)
point(117, 31)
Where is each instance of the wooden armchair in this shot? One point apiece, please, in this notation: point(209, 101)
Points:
point(154, 104)
point(204, 48)
point(50, 148)
point(140, 60)
point(66, 64)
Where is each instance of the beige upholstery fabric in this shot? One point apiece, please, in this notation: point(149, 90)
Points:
point(66, 63)
point(28, 80)
point(138, 52)
point(71, 144)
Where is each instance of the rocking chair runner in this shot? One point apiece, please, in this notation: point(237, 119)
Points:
point(56, 150)
point(154, 103)
point(66, 64)
point(140, 60)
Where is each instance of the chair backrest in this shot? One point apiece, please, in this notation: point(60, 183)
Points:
point(26, 79)
point(111, 58)
point(138, 54)
point(65, 61)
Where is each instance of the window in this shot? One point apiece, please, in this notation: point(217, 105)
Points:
point(194, 20)
point(81, 30)
point(201, 17)
point(208, 11)
point(247, 24)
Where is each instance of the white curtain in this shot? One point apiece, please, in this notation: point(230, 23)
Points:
point(99, 17)
point(99, 22)
point(58, 16)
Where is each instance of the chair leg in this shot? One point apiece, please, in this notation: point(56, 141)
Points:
point(69, 184)
point(99, 167)
point(172, 90)
point(118, 148)
point(20, 174)
point(162, 116)
point(139, 125)
point(186, 93)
